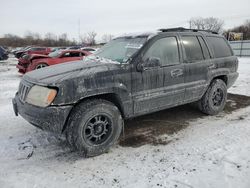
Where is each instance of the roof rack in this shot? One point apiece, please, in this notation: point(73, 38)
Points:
point(182, 29)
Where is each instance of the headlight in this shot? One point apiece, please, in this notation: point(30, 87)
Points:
point(41, 96)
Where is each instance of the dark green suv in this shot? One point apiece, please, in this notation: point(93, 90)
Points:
point(128, 77)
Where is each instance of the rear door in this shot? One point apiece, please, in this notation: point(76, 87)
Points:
point(223, 57)
point(197, 65)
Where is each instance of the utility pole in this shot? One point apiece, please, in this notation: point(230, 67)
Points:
point(79, 31)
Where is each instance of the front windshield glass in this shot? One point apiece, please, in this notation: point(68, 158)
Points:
point(55, 53)
point(121, 49)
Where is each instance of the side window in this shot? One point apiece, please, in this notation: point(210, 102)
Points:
point(75, 54)
point(38, 49)
point(165, 49)
point(204, 48)
point(192, 48)
point(71, 54)
point(220, 47)
point(67, 54)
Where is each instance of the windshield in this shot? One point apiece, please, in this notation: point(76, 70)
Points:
point(55, 53)
point(26, 48)
point(121, 49)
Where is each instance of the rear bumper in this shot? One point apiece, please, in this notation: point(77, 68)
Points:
point(232, 77)
point(52, 118)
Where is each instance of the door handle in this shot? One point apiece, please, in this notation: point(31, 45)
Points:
point(211, 66)
point(176, 73)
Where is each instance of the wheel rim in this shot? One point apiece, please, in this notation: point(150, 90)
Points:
point(218, 96)
point(98, 129)
point(41, 66)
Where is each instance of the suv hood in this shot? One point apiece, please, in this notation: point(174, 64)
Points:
point(57, 73)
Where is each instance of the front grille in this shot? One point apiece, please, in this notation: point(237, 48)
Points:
point(23, 90)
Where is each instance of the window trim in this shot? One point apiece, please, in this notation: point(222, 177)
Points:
point(208, 50)
point(186, 61)
point(163, 37)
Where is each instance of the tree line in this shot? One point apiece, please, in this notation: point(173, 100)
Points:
point(31, 38)
point(243, 28)
point(50, 39)
point(215, 24)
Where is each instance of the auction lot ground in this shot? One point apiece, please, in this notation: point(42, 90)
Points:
point(178, 147)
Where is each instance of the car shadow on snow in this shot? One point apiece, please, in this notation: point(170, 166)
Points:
point(149, 128)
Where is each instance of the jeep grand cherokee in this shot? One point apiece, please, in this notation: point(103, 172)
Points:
point(130, 76)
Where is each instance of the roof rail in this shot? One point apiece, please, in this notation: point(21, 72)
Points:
point(182, 29)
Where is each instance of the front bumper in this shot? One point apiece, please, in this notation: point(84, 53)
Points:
point(21, 69)
point(51, 118)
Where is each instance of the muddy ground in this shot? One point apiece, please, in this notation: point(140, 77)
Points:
point(148, 129)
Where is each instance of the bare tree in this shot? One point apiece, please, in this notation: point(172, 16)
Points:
point(50, 36)
point(107, 37)
point(89, 38)
point(243, 28)
point(29, 37)
point(50, 39)
point(33, 38)
point(211, 23)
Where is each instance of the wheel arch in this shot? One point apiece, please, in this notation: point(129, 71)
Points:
point(224, 78)
point(111, 97)
point(39, 63)
point(221, 73)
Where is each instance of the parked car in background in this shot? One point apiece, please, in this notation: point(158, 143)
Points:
point(3, 53)
point(33, 50)
point(14, 50)
point(31, 62)
point(20, 50)
point(74, 47)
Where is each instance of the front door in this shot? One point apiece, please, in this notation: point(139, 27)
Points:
point(160, 86)
point(70, 56)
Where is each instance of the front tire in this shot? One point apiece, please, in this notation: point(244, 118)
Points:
point(214, 100)
point(94, 126)
point(41, 65)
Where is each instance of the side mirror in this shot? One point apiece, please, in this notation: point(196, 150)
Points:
point(148, 63)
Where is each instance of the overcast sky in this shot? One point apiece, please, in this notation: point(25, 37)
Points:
point(113, 16)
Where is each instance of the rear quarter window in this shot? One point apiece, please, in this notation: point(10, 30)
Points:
point(219, 46)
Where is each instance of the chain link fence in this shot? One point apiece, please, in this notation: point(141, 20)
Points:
point(241, 48)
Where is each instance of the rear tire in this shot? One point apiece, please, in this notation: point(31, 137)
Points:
point(93, 127)
point(214, 100)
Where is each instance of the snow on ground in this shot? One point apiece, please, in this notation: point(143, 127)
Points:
point(211, 152)
point(242, 85)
